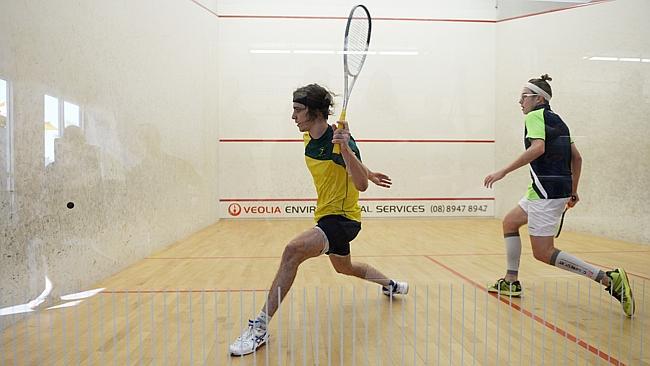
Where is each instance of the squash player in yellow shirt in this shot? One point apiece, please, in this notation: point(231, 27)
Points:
point(338, 178)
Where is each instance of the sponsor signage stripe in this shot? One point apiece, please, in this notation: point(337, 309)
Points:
point(360, 199)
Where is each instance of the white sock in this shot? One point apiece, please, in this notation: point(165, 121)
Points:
point(513, 252)
point(263, 318)
point(570, 263)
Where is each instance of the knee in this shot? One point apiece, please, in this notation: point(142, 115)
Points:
point(292, 253)
point(510, 226)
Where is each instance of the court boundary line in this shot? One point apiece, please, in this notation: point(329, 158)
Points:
point(180, 291)
point(610, 267)
point(508, 301)
point(643, 275)
point(428, 20)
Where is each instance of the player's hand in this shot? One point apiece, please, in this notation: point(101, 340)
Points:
point(493, 178)
point(573, 200)
point(341, 135)
point(380, 179)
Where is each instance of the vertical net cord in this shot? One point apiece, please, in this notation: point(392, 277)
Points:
point(203, 321)
point(367, 320)
point(498, 323)
point(415, 325)
point(63, 338)
point(555, 320)
point(462, 326)
point(279, 338)
point(545, 320)
point(521, 333)
point(316, 327)
point(189, 320)
point(291, 337)
point(566, 334)
point(341, 327)
point(329, 326)
point(126, 325)
point(141, 355)
point(101, 330)
point(390, 327)
point(642, 323)
point(38, 341)
point(253, 310)
point(578, 310)
point(426, 333)
point(304, 327)
point(140, 326)
point(485, 345)
point(474, 329)
point(439, 322)
point(532, 327)
point(403, 331)
point(216, 326)
point(610, 320)
point(354, 326)
point(228, 312)
point(178, 328)
point(378, 331)
point(451, 322)
point(510, 308)
point(241, 315)
point(165, 326)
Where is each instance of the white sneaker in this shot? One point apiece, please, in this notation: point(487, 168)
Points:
point(396, 288)
point(251, 339)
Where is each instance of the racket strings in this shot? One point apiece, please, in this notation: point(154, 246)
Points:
point(357, 44)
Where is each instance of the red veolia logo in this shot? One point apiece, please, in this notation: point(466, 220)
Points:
point(234, 209)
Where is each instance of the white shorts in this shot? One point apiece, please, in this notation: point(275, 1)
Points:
point(543, 215)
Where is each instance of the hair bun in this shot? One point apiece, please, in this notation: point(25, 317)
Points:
point(545, 77)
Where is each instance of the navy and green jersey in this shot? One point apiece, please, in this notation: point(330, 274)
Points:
point(336, 192)
point(551, 172)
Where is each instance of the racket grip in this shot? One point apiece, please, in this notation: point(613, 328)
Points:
point(337, 147)
point(342, 117)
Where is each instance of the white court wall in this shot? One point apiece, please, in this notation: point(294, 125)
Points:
point(141, 171)
point(605, 103)
point(441, 95)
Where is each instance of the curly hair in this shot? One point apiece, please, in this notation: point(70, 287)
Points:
point(316, 98)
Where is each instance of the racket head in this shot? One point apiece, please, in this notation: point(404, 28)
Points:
point(357, 40)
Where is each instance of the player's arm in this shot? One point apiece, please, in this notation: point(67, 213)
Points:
point(535, 150)
point(357, 171)
point(576, 169)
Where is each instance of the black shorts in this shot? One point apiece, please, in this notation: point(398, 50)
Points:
point(340, 231)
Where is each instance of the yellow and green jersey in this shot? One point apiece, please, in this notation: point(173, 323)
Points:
point(551, 172)
point(336, 192)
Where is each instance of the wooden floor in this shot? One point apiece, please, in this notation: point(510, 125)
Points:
point(185, 304)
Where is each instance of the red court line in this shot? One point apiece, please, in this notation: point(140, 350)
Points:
point(461, 141)
point(205, 8)
point(465, 254)
point(179, 291)
point(506, 300)
point(432, 20)
point(314, 17)
point(594, 2)
point(360, 199)
point(630, 273)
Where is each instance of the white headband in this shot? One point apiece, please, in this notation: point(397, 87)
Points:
point(538, 90)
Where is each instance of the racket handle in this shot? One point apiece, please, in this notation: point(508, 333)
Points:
point(337, 147)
